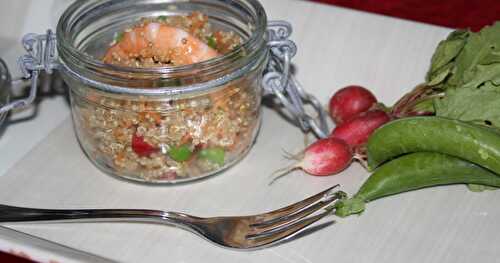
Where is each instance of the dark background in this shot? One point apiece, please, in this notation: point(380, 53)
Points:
point(449, 13)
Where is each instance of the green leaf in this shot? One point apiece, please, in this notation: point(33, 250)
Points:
point(482, 74)
point(215, 155)
point(180, 153)
point(162, 18)
point(466, 66)
point(475, 63)
point(471, 105)
point(437, 77)
point(446, 52)
point(467, 59)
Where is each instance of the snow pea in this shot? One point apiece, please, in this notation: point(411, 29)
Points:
point(477, 144)
point(414, 171)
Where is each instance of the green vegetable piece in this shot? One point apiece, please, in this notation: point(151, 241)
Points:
point(215, 155)
point(162, 18)
point(180, 153)
point(470, 142)
point(119, 37)
point(415, 171)
point(212, 42)
point(344, 208)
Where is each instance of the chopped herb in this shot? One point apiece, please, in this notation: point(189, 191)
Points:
point(162, 18)
point(119, 36)
point(212, 42)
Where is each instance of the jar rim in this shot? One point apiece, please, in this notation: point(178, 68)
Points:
point(255, 41)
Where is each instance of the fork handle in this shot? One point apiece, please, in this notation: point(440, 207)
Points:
point(25, 214)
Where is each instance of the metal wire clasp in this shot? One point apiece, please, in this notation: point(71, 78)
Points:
point(278, 81)
point(41, 56)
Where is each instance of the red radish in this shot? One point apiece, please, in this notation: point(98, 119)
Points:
point(350, 101)
point(324, 157)
point(356, 131)
point(141, 147)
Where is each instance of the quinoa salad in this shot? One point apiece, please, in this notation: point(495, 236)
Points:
point(169, 140)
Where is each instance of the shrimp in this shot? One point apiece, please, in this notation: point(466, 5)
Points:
point(152, 43)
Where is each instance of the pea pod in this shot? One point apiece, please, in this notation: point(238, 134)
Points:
point(415, 171)
point(474, 143)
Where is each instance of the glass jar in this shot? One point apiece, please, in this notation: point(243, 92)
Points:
point(169, 124)
point(163, 124)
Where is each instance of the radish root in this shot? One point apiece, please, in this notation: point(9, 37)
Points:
point(283, 172)
point(291, 156)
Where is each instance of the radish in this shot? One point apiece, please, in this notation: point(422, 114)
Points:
point(355, 131)
point(350, 101)
point(324, 157)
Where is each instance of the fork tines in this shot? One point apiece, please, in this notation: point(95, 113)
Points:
point(288, 221)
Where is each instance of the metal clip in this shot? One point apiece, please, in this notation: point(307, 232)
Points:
point(278, 81)
point(41, 56)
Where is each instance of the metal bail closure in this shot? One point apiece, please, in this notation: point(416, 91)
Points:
point(41, 55)
point(278, 81)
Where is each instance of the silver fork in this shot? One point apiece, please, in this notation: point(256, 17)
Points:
point(238, 232)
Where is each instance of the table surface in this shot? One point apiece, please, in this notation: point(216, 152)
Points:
point(337, 47)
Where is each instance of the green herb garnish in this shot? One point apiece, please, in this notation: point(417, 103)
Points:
point(212, 42)
point(119, 36)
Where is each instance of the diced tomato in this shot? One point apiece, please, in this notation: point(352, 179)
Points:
point(141, 147)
